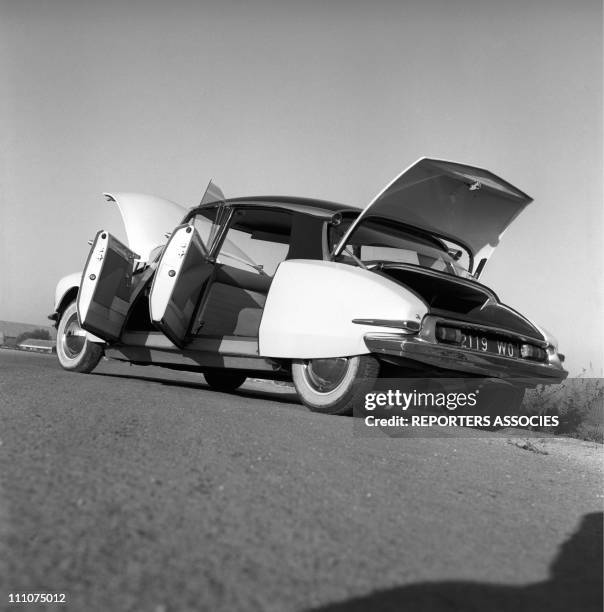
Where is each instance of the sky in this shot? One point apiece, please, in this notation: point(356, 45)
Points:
point(326, 99)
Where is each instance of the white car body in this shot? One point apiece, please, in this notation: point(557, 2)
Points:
point(209, 306)
point(311, 307)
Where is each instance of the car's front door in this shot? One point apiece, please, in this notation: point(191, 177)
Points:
point(106, 287)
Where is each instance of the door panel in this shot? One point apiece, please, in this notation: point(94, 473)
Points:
point(182, 273)
point(234, 303)
point(230, 311)
point(106, 287)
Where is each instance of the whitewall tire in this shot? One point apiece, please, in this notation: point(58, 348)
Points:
point(333, 386)
point(75, 352)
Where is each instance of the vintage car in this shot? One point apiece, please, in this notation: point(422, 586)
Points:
point(307, 290)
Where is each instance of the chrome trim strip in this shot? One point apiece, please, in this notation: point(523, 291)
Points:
point(463, 360)
point(410, 326)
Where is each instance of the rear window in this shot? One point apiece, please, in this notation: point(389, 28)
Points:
point(375, 241)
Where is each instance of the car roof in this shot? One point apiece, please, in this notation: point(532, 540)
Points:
point(309, 206)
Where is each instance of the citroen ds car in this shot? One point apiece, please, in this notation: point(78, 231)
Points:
point(318, 293)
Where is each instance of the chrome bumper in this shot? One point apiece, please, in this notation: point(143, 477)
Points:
point(465, 360)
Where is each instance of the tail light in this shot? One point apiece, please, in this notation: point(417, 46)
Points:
point(530, 351)
point(448, 334)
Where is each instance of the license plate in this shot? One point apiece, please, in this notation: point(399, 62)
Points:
point(484, 344)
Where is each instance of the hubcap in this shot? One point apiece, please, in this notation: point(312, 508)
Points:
point(325, 375)
point(74, 337)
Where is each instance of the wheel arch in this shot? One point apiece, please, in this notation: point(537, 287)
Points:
point(69, 296)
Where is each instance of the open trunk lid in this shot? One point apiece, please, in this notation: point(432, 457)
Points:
point(469, 206)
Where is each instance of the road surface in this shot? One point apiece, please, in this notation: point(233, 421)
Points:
point(140, 489)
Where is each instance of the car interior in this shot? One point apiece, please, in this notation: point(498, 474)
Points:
point(255, 243)
point(232, 301)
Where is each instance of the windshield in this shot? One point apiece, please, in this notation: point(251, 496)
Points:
point(374, 241)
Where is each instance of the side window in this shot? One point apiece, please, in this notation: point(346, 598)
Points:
point(257, 241)
point(207, 225)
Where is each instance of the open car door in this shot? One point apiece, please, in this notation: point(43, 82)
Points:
point(182, 273)
point(106, 287)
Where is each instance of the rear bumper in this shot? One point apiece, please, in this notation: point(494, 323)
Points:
point(466, 361)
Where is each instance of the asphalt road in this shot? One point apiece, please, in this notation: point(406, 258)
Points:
point(140, 489)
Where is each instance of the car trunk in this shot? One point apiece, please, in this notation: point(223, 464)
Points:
point(460, 299)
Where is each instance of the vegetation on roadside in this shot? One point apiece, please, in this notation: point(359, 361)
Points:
point(578, 402)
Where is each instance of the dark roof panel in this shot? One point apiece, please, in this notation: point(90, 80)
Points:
point(323, 208)
point(309, 206)
point(314, 202)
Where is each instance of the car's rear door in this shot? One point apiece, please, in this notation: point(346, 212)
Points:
point(182, 274)
point(106, 287)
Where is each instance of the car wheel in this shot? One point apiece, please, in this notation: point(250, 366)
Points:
point(224, 380)
point(75, 352)
point(333, 386)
